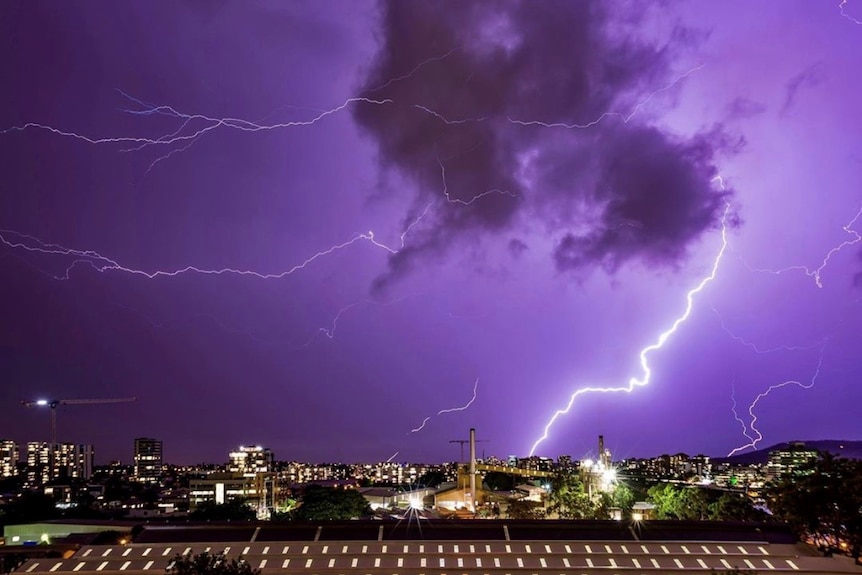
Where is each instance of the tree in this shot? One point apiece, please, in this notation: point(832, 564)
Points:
point(735, 507)
point(522, 509)
point(498, 481)
point(209, 564)
point(323, 503)
point(666, 499)
point(624, 498)
point(234, 510)
point(823, 501)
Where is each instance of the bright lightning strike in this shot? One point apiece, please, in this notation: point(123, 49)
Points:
point(752, 444)
point(451, 409)
point(736, 414)
point(662, 338)
point(816, 272)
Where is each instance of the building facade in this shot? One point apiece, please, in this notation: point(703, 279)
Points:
point(8, 458)
point(148, 459)
point(249, 460)
point(792, 459)
point(60, 461)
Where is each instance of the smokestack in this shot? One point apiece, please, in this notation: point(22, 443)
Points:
point(473, 468)
point(602, 449)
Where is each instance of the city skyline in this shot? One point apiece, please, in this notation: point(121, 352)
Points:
point(351, 231)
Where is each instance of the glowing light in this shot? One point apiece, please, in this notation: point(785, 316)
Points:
point(816, 272)
point(752, 444)
point(41, 402)
point(660, 341)
point(451, 409)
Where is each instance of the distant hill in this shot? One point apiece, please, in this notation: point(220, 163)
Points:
point(846, 449)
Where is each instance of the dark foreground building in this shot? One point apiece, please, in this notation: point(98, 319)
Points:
point(413, 547)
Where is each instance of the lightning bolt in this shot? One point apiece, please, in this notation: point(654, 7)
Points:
point(736, 414)
point(752, 444)
point(449, 410)
point(394, 455)
point(755, 348)
point(471, 200)
point(626, 118)
point(180, 135)
point(645, 352)
point(415, 69)
point(100, 263)
point(816, 272)
point(846, 15)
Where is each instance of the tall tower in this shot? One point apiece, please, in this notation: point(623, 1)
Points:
point(604, 454)
point(473, 469)
point(148, 459)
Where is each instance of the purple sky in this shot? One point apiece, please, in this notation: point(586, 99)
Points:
point(519, 193)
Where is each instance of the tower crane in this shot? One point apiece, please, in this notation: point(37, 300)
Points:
point(53, 403)
point(464, 442)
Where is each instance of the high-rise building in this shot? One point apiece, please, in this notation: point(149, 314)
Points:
point(148, 459)
point(793, 459)
point(8, 458)
point(64, 461)
point(249, 460)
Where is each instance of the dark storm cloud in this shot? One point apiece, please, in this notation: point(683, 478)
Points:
point(517, 247)
point(468, 83)
point(810, 77)
point(658, 196)
point(744, 108)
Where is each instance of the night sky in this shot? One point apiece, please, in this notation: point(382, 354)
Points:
point(316, 225)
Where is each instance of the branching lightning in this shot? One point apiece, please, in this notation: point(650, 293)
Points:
point(644, 353)
point(816, 272)
point(179, 135)
point(736, 414)
point(754, 347)
point(100, 263)
point(624, 117)
point(451, 409)
point(846, 15)
point(752, 444)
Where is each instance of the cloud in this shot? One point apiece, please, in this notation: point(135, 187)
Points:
point(517, 247)
point(469, 85)
point(810, 77)
point(743, 108)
